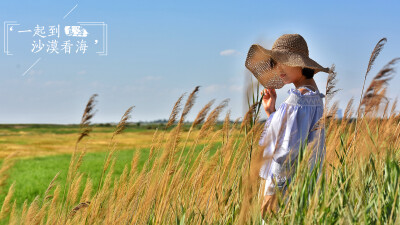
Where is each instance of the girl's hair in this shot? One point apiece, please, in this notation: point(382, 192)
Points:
point(307, 72)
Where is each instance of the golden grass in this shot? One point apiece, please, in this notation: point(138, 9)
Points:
point(32, 144)
point(359, 183)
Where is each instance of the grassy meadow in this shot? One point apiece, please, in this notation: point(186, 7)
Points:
point(45, 150)
point(206, 171)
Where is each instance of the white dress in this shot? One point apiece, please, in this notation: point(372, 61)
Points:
point(285, 130)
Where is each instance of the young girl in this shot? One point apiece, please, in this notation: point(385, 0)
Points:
point(297, 115)
point(289, 126)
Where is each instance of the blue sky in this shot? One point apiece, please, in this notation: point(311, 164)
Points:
point(157, 50)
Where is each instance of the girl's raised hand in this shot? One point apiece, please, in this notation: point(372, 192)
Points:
point(269, 100)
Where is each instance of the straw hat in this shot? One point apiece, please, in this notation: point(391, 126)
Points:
point(288, 49)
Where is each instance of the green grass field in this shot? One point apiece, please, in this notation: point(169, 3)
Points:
point(32, 173)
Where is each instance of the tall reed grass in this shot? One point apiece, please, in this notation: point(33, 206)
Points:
point(359, 182)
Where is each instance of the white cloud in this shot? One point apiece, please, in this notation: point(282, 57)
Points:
point(229, 52)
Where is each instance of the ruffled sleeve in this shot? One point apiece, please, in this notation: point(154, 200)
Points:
point(267, 123)
point(286, 131)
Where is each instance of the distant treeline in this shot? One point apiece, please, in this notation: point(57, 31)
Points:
point(140, 124)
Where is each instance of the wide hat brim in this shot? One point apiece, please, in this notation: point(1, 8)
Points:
point(258, 58)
